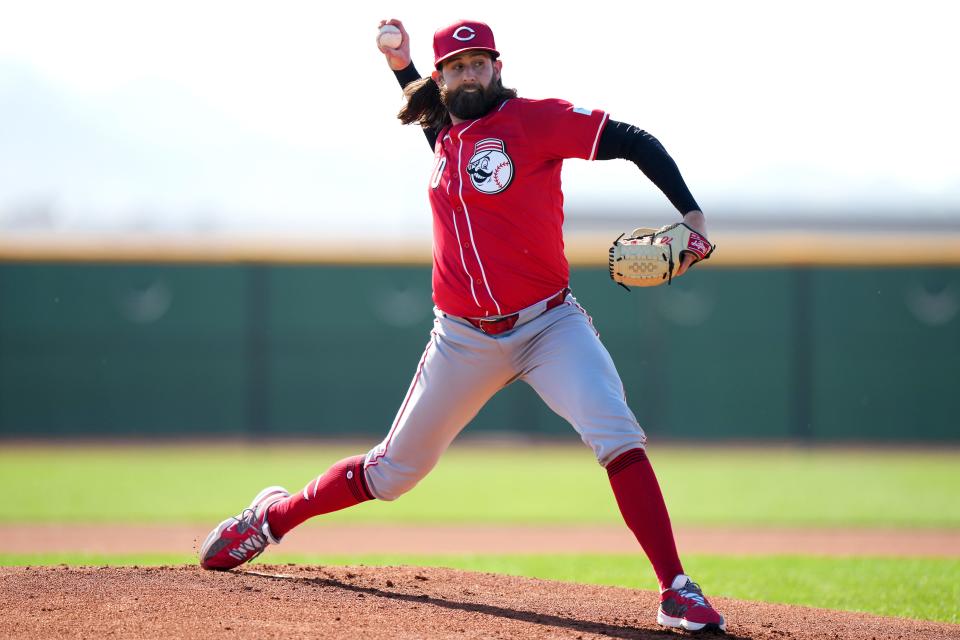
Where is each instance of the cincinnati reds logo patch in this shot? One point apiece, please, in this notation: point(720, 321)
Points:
point(490, 168)
point(464, 34)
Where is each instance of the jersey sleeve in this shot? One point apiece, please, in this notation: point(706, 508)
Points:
point(561, 130)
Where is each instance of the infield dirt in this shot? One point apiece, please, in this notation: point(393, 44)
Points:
point(289, 601)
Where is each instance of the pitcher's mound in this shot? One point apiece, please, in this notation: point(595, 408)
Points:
point(363, 603)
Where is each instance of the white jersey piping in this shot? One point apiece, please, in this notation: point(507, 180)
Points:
point(596, 140)
point(456, 231)
point(462, 259)
point(466, 213)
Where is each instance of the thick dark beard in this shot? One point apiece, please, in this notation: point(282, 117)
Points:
point(470, 105)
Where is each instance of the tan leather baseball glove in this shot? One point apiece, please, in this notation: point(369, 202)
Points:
point(648, 257)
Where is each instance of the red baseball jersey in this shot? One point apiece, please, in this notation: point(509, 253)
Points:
point(498, 207)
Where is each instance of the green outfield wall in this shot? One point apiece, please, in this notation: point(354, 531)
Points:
point(825, 354)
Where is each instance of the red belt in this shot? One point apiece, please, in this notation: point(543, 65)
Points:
point(505, 323)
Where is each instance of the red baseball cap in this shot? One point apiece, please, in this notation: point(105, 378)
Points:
point(462, 35)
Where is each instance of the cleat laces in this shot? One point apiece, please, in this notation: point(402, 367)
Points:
point(246, 519)
point(692, 591)
point(257, 542)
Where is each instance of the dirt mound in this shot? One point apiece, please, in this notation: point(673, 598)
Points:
point(270, 601)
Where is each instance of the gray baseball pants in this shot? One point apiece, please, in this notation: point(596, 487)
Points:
point(557, 352)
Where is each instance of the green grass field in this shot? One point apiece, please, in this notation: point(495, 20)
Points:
point(703, 486)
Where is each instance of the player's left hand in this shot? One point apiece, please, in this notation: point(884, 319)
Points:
point(685, 263)
point(650, 257)
point(695, 220)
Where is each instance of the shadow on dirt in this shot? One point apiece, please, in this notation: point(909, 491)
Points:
point(584, 626)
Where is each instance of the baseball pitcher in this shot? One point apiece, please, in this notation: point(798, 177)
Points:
point(503, 307)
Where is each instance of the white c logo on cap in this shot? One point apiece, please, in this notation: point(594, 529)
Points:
point(471, 34)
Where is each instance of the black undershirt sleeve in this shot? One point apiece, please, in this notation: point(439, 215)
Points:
point(405, 76)
point(622, 140)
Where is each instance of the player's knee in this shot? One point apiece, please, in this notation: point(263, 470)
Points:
point(611, 453)
point(389, 484)
point(607, 445)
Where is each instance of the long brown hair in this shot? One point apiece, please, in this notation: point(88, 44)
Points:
point(425, 103)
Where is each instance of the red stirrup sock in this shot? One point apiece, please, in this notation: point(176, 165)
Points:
point(342, 485)
point(641, 504)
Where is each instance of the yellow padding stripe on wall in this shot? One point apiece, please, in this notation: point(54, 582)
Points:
point(733, 250)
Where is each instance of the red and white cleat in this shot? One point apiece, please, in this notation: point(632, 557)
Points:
point(683, 606)
point(241, 539)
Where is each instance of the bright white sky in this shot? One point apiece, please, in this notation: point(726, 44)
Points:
point(280, 116)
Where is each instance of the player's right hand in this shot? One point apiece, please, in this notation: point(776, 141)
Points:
point(398, 58)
